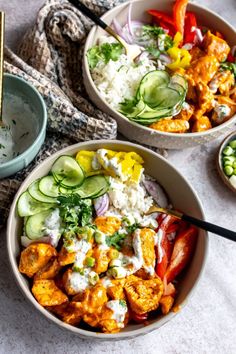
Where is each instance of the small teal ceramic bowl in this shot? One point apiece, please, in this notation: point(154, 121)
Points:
point(25, 119)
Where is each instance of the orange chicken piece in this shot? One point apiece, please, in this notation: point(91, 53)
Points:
point(202, 70)
point(47, 293)
point(216, 46)
point(108, 224)
point(35, 257)
point(143, 295)
point(65, 257)
point(171, 125)
point(49, 271)
point(201, 124)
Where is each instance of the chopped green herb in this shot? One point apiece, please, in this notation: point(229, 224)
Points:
point(2, 146)
point(153, 50)
point(105, 52)
point(152, 31)
point(157, 33)
point(116, 240)
point(23, 135)
point(229, 66)
point(13, 121)
point(130, 229)
point(123, 303)
point(75, 212)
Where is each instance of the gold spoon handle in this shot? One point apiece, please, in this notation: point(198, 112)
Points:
point(2, 30)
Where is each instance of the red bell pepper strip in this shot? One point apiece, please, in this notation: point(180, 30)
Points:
point(231, 58)
point(169, 28)
point(179, 11)
point(166, 246)
point(161, 16)
point(189, 27)
point(183, 249)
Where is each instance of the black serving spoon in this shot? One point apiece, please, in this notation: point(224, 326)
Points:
point(230, 235)
point(132, 50)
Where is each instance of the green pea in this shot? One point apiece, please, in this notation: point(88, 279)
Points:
point(232, 144)
point(228, 170)
point(228, 151)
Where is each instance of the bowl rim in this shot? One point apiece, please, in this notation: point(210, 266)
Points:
point(43, 126)
point(219, 164)
point(78, 331)
point(147, 129)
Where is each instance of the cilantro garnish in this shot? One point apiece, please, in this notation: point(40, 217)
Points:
point(75, 212)
point(105, 52)
point(152, 31)
point(116, 240)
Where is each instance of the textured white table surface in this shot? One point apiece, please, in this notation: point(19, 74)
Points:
point(207, 324)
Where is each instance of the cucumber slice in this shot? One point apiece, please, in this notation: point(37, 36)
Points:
point(27, 206)
point(151, 81)
point(39, 196)
point(35, 225)
point(67, 170)
point(155, 114)
point(66, 191)
point(162, 98)
point(177, 87)
point(139, 108)
point(93, 186)
point(147, 121)
point(178, 79)
point(49, 187)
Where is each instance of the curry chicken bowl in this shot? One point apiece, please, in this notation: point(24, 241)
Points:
point(180, 91)
point(85, 250)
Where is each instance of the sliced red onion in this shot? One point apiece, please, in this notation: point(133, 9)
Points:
point(101, 204)
point(165, 58)
point(199, 35)
point(129, 20)
point(118, 29)
point(233, 50)
point(25, 241)
point(157, 193)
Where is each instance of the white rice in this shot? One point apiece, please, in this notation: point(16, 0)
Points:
point(119, 80)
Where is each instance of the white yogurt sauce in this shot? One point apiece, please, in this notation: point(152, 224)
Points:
point(106, 282)
point(81, 249)
point(119, 311)
point(53, 226)
point(158, 240)
point(222, 111)
point(22, 127)
point(79, 282)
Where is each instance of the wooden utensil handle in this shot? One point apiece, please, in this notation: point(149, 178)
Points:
point(230, 235)
point(86, 11)
point(2, 30)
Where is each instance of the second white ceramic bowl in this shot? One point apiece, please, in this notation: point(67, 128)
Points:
point(135, 131)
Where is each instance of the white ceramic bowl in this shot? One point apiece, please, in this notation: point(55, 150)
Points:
point(135, 131)
point(182, 197)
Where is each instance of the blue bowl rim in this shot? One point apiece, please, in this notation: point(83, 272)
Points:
point(43, 127)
